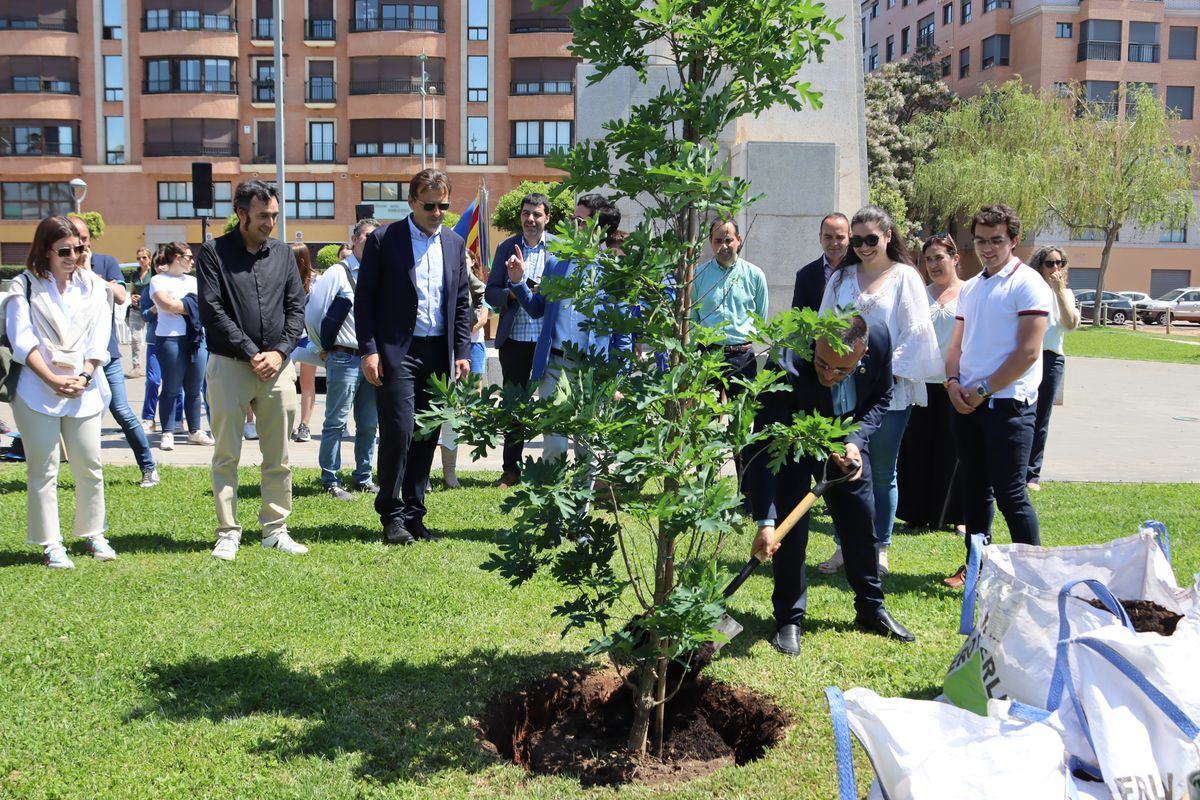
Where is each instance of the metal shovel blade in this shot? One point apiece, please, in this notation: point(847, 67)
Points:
point(728, 627)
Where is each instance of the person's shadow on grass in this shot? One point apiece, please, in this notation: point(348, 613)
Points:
point(407, 720)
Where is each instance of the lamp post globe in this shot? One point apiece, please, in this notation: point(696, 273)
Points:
point(79, 189)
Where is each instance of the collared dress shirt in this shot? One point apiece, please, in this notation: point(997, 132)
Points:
point(525, 328)
point(724, 297)
point(427, 275)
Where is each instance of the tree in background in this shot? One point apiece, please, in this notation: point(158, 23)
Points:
point(507, 214)
point(327, 256)
point(1061, 160)
point(94, 221)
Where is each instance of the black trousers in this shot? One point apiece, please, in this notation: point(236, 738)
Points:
point(993, 453)
point(1052, 378)
point(404, 460)
point(852, 506)
point(516, 364)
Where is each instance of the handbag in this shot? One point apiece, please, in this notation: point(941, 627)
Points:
point(10, 368)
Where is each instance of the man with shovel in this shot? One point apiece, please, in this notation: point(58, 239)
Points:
point(856, 384)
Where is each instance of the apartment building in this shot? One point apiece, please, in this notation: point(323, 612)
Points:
point(1105, 46)
point(127, 94)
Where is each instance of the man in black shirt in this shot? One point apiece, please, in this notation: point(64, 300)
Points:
point(252, 310)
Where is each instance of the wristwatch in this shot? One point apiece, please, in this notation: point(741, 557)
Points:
point(87, 378)
point(984, 390)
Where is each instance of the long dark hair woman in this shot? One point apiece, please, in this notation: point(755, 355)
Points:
point(182, 355)
point(305, 356)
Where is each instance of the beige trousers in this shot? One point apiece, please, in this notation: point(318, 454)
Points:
point(40, 434)
point(233, 388)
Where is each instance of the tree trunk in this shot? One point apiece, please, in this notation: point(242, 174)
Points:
point(643, 706)
point(1110, 237)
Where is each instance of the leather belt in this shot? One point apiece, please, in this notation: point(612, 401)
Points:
point(337, 348)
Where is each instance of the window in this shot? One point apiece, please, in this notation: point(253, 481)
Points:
point(891, 3)
point(538, 138)
point(192, 75)
point(35, 201)
point(903, 40)
point(1062, 89)
point(320, 25)
point(1143, 42)
point(1099, 40)
point(995, 51)
point(948, 14)
point(190, 137)
point(394, 137)
point(477, 20)
point(396, 75)
point(477, 79)
point(384, 191)
point(1181, 44)
point(890, 49)
point(1062, 30)
point(163, 16)
point(320, 82)
point(992, 5)
point(52, 74)
point(945, 66)
point(874, 10)
point(321, 146)
point(114, 78)
point(1102, 95)
point(114, 139)
point(1180, 99)
point(1174, 235)
point(113, 16)
point(1089, 235)
point(29, 138)
point(263, 85)
point(925, 32)
point(477, 140)
point(964, 62)
point(543, 75)
point(965, 17)
point(264, 141)
point(1130, 102)
point(175, 200)
point(873, 58)
point(381, 15)
point(309, 199)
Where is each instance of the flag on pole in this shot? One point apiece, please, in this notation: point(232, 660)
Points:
point(469, 227)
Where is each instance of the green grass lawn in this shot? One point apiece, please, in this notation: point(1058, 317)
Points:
point(356, 671)
point(1149, 343)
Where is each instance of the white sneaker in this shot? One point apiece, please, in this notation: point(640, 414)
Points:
point(250, 431)
point(200, 437)
point(226, 549)
point(56, 557)
point(284, 542)
point(884, 569)
point(99, 548)
point(167, 442)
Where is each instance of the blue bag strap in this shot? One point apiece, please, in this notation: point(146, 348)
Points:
point(1160, 535)
point(1061, 671)
point(1026, 713)
point(843, 753)
point(966, 620)
point(1187, 726)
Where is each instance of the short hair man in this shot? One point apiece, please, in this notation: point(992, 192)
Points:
point(812, 277)
point(330, 314)
point(252, 310)
point(608, 216)
point(855, 384)
point(412, 317)
point(518, 332)
point(994, 366)
point(107, 268)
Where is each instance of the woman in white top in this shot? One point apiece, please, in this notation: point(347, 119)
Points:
point(926, 473)
point(58, 319)
point(181, 352)
point(1051, 264)
point(877, 279)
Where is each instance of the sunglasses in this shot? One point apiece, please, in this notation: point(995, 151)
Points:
point(870, 240)
point(432, 206)
point(65, 252)
point(1050, 262)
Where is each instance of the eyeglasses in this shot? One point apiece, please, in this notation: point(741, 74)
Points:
point(65, 252)
point(824, 365)
point(995, 241)
point(870, 240)
point(188, 256)
point(1050, 262)
point(432, 206)
point(579, 221)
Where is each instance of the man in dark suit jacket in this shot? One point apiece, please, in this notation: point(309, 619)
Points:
point(412, 316)
point(812, 277)
point(857, 384)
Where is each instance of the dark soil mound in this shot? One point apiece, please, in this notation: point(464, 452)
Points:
point(1148, 616)
point(577, 724)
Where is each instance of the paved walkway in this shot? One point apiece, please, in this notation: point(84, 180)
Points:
point(1127, 421)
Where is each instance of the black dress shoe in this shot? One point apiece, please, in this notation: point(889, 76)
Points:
point(787, 640)
point(884, 624)
point(370, 487)
point(394, 532)
point(422, 534)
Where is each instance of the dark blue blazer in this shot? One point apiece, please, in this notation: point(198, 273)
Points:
point(810, 285)
point(872, 384)
point(385, 300)
point(497, 294)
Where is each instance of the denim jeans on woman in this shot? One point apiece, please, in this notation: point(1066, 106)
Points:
point(123, 414)
point(346, 389)
point(154, 382)
point(182, 368)
point(884, 452)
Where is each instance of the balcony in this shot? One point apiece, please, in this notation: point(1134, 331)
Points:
point(540, 25)
point(320, 90)
point(33, 84)
point(264, 157)
point(39, 24)
point(321, 153)
point(320, 30)
point(39, 149)
point(1144, 53)
point(368, 24)
point(187, 20)
point(385, 86)
point(183, 86)
point(1098, 51)
point(168, 149)
point(393, 149)
point(262, 29)
point(536, 150)
point(262, 90)
point(541, 87)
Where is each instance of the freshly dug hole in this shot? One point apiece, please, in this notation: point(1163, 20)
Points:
point(578, 723)
point(1147, 616)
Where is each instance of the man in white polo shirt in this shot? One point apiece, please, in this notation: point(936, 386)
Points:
point(994, 364)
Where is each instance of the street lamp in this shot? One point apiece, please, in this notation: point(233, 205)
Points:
point(421, 58)
point(79, 190)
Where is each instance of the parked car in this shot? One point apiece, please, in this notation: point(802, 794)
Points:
point(1137, 298)
point(1117, 309)
point(1184, 305)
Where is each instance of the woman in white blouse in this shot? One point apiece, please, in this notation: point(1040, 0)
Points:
point(877, 280)
point(60, 334)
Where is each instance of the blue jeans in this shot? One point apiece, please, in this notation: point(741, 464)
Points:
point(123, 414)
point(153, 381)
point(346, 389)
point(478, 358)
point(182, 367)
point(885, 450)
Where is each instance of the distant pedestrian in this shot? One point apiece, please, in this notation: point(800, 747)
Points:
point(179, 340)
point(305, 359)
point(136, 322)
point(449, 439)
point(150, 390)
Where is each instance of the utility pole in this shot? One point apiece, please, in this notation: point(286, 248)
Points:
point(424, 146)
point(280, 177)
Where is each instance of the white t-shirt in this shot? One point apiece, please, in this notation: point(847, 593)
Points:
point(990, 309)
point(179, 287)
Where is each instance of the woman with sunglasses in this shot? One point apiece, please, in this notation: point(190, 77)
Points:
point(926, 473)
point(58, 319)
point(878, 280)
point(181, 352)
point(1051, 264)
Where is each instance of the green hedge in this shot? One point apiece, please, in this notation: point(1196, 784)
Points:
point(10, 271)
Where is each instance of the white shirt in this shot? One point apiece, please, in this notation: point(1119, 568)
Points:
point(332, 284)
point(1056, 328)
point(178, 287)
point(76, 300)
point(990, 309)
point(427, 276)
point(942, 317)
point(902, 306)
